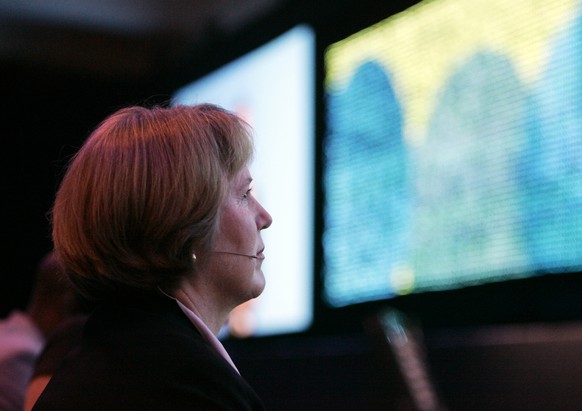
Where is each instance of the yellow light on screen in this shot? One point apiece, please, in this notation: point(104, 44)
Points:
point(421, 47)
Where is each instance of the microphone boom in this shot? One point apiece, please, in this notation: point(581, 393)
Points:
point(233, 253)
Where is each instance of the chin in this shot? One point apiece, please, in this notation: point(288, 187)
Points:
point(258, 286)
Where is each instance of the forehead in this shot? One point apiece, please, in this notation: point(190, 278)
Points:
point(242, 178)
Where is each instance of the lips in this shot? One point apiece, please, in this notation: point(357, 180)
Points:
point(260, 255)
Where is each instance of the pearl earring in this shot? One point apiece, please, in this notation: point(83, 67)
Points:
point(194, 257)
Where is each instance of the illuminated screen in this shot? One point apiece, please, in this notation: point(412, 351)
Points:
point(453, 151)
point(272, 87)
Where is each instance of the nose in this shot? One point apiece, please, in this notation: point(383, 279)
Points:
point(264, 219)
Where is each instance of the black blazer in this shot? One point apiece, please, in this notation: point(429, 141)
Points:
point(143, 353)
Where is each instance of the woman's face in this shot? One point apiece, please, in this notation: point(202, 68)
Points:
point(237, 255)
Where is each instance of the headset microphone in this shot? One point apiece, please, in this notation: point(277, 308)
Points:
point(231, 253)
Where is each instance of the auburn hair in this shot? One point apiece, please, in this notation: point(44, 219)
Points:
point(143, 193)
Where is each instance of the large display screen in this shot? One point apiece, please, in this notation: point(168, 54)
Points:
point(273, 88)
point(453, 151)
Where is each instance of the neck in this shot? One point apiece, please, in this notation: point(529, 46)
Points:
point(209, 313)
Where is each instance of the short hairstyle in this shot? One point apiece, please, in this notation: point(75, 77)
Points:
point(143, 193)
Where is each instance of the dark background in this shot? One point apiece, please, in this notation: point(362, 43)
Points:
point(508, 346)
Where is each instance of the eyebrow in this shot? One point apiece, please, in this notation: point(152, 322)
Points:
point(245, 182)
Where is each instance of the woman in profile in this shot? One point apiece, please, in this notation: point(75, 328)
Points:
point(156, 223)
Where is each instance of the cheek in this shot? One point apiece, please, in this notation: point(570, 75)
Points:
point(237, 231)
point(230, 237)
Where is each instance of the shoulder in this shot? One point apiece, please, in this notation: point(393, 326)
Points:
point(145, 355)
point(153, 324)
point(65, 339)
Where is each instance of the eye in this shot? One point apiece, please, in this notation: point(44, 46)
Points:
point(247, 194)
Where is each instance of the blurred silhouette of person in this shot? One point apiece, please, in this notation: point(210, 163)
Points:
point(64, 341)
point(23, 333)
